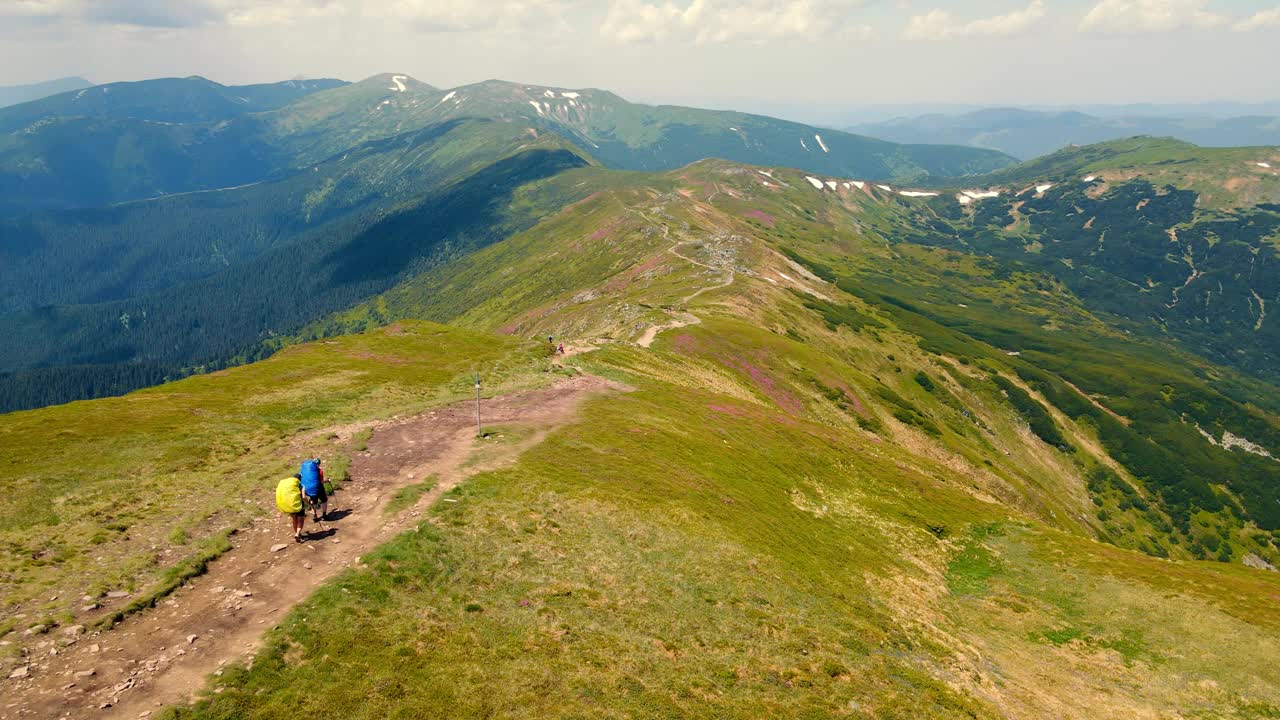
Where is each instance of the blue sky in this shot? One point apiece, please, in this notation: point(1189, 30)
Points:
point(749, 53)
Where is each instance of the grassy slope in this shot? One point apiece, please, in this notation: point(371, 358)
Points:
point(1224, 177)
point(685, 553)
point(783, 519)
point(105, 505)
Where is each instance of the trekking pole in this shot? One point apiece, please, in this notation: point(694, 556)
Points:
point(478, 431)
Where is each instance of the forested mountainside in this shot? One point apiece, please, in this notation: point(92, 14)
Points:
point(158, 224)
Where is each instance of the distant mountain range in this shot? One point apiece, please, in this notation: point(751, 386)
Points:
point(1026, 134)
point(15, 94)
point(130, 141)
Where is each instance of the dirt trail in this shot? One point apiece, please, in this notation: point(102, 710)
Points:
point(680, 319)
point(162, 656)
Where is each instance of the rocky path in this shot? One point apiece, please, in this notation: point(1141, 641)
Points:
point(163, 655)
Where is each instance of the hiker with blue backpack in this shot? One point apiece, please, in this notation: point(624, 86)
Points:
point(313, 488)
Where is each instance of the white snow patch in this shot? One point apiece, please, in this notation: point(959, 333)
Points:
point(885, 188)
point(1231, 440)
point(859, 184)
point(766, 183)
point(815, 182)
point(775, 282)
point(383, 104)
point(536, 106)
point(916, 193)
point(548, 93)
point(806, 147)
point(1091, 178)
point(979, 195)
point(786, 277)
point(964, 199)
point(765, 173)
point(1013, 353)
point(399, 82)
point(449, 97)
point(1043, 188)
point(820, 143)
point(82, 92)
point(733, 129)
point(831, 184)
point(570, 95)
point(574, 104)
point(1264, 165)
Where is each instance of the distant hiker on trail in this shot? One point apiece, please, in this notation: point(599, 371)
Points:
point(289, 502)
point(560, 349)
point(551, 339)
point(312, 478)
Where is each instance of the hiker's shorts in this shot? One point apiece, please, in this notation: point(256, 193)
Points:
point(320, 497)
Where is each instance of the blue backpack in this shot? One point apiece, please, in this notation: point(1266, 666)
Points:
point(311, 477)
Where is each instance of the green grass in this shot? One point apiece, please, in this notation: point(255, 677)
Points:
point(407, 497)
point(85, 511)
point(683, 553)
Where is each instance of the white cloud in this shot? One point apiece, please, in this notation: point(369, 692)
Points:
point(33, 8)
point(279, 12)
point(717, 21)
point(476, 15)
point(941, 24)
point(172, 14)
point(1260, 21)
point(1145, 16)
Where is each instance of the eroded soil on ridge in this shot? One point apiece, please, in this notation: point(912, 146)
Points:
point(162, 656)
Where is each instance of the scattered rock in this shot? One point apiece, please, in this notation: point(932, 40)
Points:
point(117, 594)
point(306, 565)
point(90, 607)
point(246, 573)
point(278, 547)
point(85, 673)
point(34, 630)
point(73, 630)
point(337, 540)
point(104, 706)
point(243, 593)
point(19, 673)
point(191, 638)
point(95, 648)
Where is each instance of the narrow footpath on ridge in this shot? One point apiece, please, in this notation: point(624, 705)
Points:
point(162, 656)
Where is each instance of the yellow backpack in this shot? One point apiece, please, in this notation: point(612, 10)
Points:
point(289, 495)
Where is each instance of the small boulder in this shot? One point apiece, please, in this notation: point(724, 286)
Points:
point(278, 547)
point(34, 630)
point(89, 608)
point(191, 638)
point(20, 673)
point(117, 594)
point(85, 673)
point(95, 648)
point(73, 630)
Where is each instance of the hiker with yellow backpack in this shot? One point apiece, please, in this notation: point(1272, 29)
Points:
point(289, 502)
